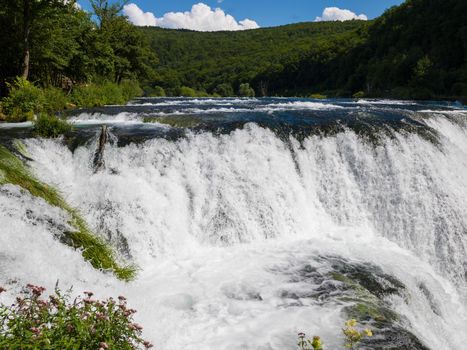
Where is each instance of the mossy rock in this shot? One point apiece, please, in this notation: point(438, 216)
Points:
point(175, 121)
point(365, 289)
point(93, 248)
point(371, 313)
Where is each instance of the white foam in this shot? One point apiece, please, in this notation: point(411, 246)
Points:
point(100, 118)
point(215, 221)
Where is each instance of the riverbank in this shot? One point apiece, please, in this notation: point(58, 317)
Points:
point(26, 101)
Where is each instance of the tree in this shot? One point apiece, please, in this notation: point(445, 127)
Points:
point(106, 12)
point(33, 11)
point(246, 91)
point(224, 89)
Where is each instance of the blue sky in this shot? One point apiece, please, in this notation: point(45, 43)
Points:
point(266, 12)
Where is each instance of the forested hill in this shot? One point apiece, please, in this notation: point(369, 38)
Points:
point(416, 50)
point(220, 61)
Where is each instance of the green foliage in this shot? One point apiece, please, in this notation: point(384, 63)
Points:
point(187, 92)
point(318, 96)
point(224, 90)
point(55, 100)
point(50, 126)
point(268, 59)
point(245, 90)
point(104, 94)
point(415, 50)
point(309, 344)
point(27, 100)
point(67, 47)
point(93, 249)
point(352, 333)
point(130, 89)
point(156, 91)
point(24, 101)
point(359, 94)
point(60, 322)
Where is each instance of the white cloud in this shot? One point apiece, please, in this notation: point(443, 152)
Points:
point(201, 18)
point(138, 17)
point(337, 14)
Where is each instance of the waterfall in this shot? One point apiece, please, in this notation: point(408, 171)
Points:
point(220, 225)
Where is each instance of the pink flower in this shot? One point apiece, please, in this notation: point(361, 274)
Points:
point(103, 345)
point(137, 326)
point(121, 298)
point(36, 290)
point(35, 330)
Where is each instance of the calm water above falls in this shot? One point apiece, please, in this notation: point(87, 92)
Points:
point(254, 219)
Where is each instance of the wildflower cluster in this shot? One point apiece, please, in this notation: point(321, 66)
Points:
point(57, 323)
point(307, 344)
point(353, 335)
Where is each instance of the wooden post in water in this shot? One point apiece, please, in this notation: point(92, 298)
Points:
point(98, 163)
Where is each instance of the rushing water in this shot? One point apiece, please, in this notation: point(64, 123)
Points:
point(239, 212)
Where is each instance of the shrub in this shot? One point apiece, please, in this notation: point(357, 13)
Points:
point(246, 91)
point(359, 94)
point(187, 92)
point(85, 96)
point(318, 96)
point(24, 100)
point(59, 323)
point(50, 126)
point(54, 100)
point(130, 90)
point(105, 94)
point(156, 91)
point(224, 89)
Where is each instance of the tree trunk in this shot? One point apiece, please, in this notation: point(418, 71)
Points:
point(99, 154)
point(26, 33)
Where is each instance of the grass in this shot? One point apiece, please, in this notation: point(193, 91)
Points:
point(50, 126)
point(93, 248)
point(26, 100)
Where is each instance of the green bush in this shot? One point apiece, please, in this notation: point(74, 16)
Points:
point(155, 91)
point(130, 90)
point(24, 100)
point(246, 91)
point(54, 100)
point(224, 90)
point(50, 126)
point(87, 96)
point(60, 322)
point(359, 94)
point(105, 94)
point(318, 96)
point(187, 92)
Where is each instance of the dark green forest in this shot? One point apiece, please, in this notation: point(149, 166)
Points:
point(416, 50)
point(54, 43)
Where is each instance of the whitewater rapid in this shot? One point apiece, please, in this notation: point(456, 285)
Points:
point(220, 225)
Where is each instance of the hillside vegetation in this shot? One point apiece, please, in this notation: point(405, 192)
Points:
point(416, 50)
